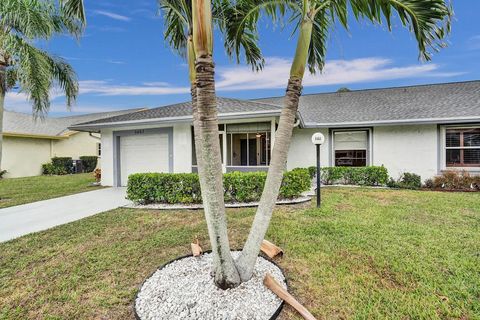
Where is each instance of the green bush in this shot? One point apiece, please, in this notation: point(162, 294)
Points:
point(363, 176)
point(408, 180)
point(312, 171)
point(89, 163)
point(50, 169)
point(63, 162)
point(294, 183)
point(2, 173)
point(185, 187)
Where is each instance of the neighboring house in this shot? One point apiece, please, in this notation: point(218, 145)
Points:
point(422, 129)
point(30, 142)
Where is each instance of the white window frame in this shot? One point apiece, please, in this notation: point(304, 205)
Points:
point(369, 153)
point(443, 147)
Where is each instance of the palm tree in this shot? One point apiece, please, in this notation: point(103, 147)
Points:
point(194, 41)
point(428, 20)
point(32, 69)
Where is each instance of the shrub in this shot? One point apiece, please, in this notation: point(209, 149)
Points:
point(456, 180)
point(89, 163)
point(97, 174)
point(2, 173)
point(312, 171)
point(365, 176)
point(294, 183)
point(63, 162)
point(50, 169)
point(185, 187)
point(408, 180)
point(429, 184)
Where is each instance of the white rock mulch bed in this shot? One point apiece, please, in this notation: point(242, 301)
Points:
point(165, 206)
point(184, 289)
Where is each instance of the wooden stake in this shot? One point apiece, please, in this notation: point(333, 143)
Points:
point(270, 249)
point(196, 249)
point(283, 294)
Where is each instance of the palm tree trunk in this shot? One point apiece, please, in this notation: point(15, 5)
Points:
point(211, 175)
point(3, 91)
point(246, 262)
point(210, 164)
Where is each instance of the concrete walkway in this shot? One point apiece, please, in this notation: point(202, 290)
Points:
point(37, 216)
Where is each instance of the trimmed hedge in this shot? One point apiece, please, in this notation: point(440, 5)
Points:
point(63, 162)
point(363, 176)
point(50, 169)
point(89, 163)
point(184, 188)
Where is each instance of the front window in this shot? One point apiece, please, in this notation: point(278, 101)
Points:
point(350, 148)
point(463, 147)
point(248, 144)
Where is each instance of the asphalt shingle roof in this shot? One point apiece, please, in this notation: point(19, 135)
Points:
point(23, 123)
point(437, 101)
point(224, 105)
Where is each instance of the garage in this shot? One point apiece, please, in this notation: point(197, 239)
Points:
point(143, 151)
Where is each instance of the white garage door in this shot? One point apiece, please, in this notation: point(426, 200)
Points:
point(143, 153)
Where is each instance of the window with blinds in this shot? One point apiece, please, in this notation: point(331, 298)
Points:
point(350, 148)
point(462, 147)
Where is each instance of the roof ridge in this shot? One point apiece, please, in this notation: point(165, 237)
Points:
point(375, 89)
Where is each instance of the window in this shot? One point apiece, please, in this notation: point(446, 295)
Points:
point(350, 148)
point(463, 147)
point(99, 149)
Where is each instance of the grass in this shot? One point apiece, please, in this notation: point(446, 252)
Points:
point(18, 191)
point(366, 254)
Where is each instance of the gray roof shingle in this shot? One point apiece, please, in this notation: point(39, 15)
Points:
point(23, 123)
point(460, 100)
point(225, 106)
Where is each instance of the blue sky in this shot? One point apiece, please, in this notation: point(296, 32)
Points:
point(122, 61)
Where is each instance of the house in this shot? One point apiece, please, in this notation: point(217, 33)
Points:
point(29, 142)
point(423, 129)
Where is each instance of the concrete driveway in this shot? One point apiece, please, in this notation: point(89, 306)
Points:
point(37, 216)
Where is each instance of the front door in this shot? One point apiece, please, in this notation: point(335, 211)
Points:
point(251, 155)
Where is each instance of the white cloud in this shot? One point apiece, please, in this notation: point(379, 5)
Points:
point(236, 78)
point(112, 15)
point(336, 72)
point(106, 88)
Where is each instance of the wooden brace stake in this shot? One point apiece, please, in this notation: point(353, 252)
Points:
point(270, 249)
point(196, 249)
point(283, 294)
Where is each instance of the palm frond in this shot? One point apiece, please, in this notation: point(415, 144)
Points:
point(240, 20)
point(37, 73)
point(74, 9)
point(428, 20)
point(177, 16)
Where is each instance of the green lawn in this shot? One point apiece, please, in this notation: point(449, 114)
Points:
point(366, 254)
point(25, 190)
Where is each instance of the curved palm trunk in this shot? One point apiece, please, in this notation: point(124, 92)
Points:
point(2, 102)
point(206, 138)
point(246, 262)
point(211, 174)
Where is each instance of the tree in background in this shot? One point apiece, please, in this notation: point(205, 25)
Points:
point(24, 65)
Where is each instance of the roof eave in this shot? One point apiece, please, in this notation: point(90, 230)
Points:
point(160, 121)
point(33, 136)
point(311, 125)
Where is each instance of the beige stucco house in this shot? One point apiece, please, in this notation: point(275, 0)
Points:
point(28, 142)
